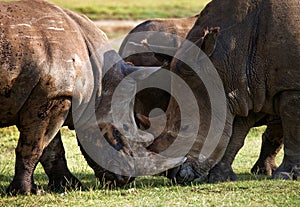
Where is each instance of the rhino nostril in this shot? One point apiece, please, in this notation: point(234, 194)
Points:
point(125, 127)
point(115, 133)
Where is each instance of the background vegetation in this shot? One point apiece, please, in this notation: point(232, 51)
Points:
point(132, 9)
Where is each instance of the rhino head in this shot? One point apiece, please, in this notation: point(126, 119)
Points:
point(196, 123)
point(109, 139)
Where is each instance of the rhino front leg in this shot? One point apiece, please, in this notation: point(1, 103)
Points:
point(39, 122)
point(54, 163)
point(290, 115)
point(195, 166)
point(223, 171)
point(272, 140)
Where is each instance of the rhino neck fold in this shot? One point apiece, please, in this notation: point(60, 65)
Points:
point(236, 55)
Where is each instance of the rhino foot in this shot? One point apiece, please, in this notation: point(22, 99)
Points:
point(221, 172)
point(109, 180)
point(182, 174)
point(21, 187)
point(288, 170)
point(287, 176)
point(266, 167)
point(59, 184)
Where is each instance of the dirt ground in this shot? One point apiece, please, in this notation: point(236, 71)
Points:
point(116, 30)
point(117, 26)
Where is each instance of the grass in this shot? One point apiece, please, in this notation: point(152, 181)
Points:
point(133, 9)
point(251, 190)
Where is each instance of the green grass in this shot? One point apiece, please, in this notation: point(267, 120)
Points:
point(251, 190)
point(133, 9)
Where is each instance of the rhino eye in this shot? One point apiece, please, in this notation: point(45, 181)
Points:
point(125, 127)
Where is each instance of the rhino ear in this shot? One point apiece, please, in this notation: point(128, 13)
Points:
point(208, 42)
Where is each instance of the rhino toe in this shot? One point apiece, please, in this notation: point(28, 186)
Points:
point(282, 176)
point(21, 187)
point(288, 170)
point(182, 174)
point(221, 172)
point(286, 175)
point(264, 168)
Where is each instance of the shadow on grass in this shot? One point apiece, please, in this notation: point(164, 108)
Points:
point(90, 182)
point(252, 177)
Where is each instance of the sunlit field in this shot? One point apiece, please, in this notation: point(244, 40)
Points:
point(250, 190)
point(133, 9)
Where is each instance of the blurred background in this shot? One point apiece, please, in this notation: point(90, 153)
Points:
point(118, 17)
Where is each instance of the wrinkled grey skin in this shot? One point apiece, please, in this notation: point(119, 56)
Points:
point(42, 58)
point(272, 142)
point(257, 56)
point(177, 26)
point(146, 100)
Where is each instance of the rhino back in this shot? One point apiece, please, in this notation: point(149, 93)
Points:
point(257, 53)
point(176, 26)
point(45, 48)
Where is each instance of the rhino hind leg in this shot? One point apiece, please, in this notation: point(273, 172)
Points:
point(272, 140)
point(40, 120)
point(54, 163)
point(290, 115)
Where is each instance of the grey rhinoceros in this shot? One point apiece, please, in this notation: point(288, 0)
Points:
point(139, 48)
point(172, 31)
point(159, 34)
point(254, 48)
point(272, 140)
point(57, 69)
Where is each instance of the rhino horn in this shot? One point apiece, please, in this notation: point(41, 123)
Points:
point(143, 121)
point(123, 156)
point(154, 125)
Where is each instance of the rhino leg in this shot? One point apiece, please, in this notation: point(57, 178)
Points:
point(54, 163)
point(290, 115)
point(222, 171)
point(39, 122)
point(272, 140)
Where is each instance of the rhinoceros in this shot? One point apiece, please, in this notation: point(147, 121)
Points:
point(57, 69)
point(177, 26)
point(151, 98)
point(138, 48)
point(254, 47)
point(272, 140)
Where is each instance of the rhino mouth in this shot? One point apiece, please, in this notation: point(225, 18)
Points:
point(127, 161)
point(107, 178)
